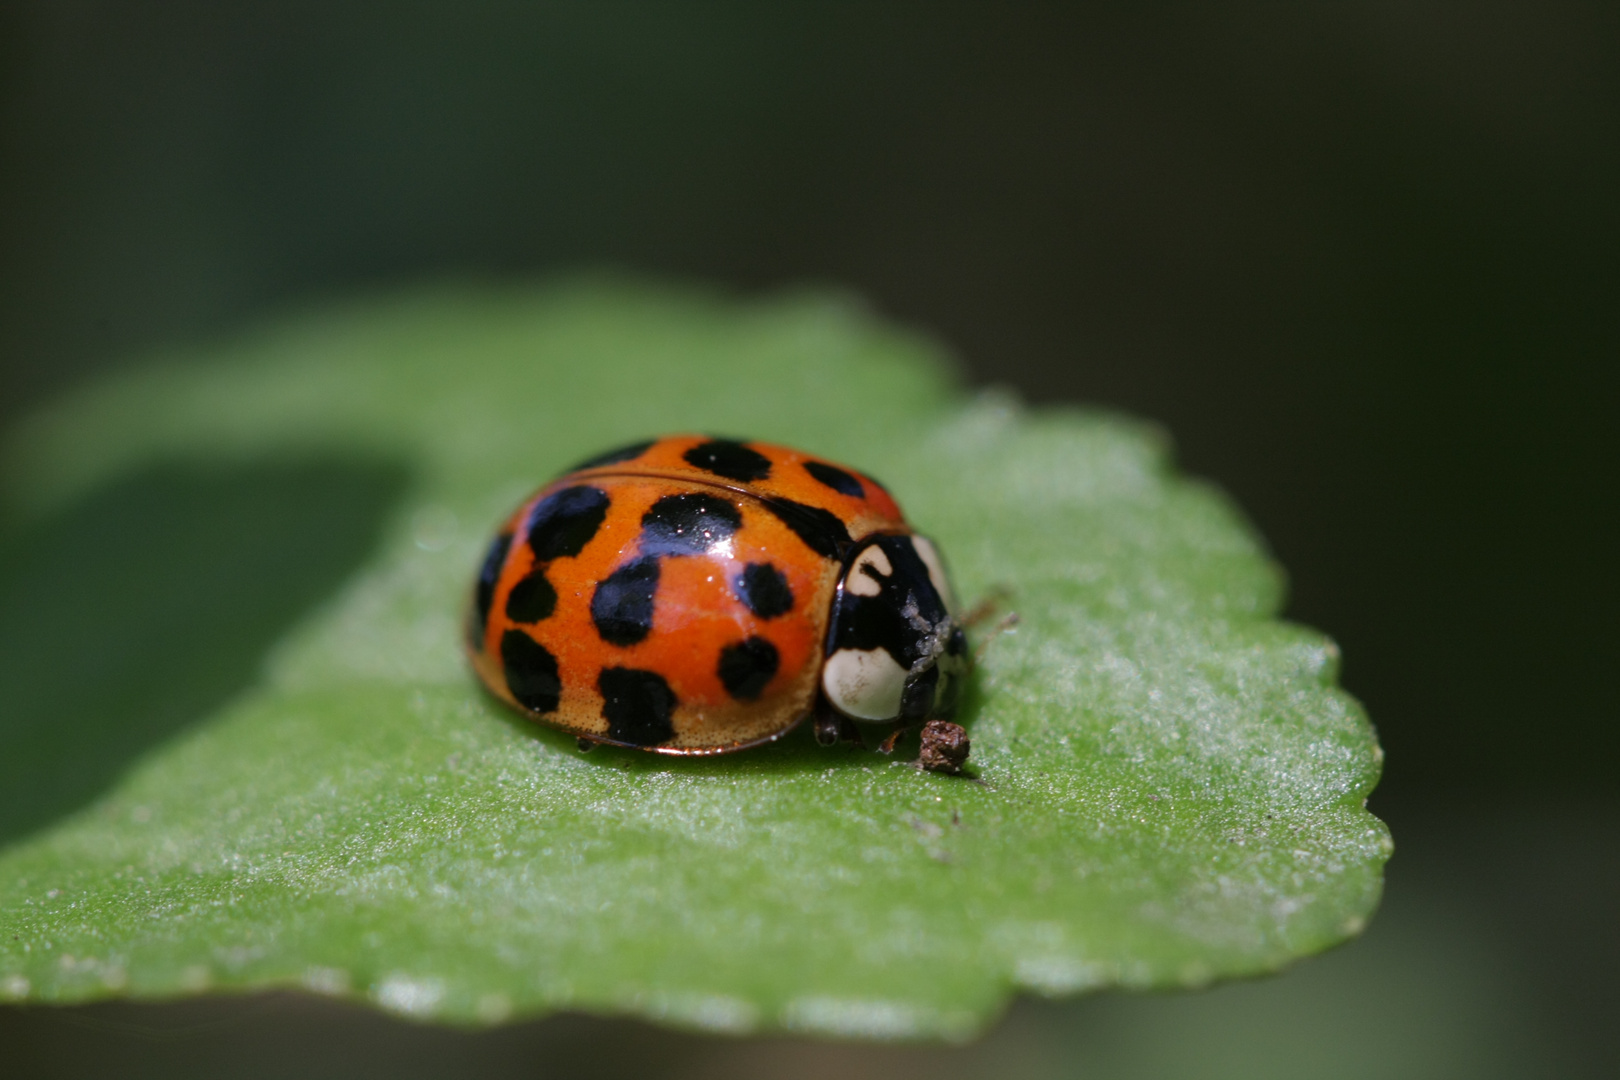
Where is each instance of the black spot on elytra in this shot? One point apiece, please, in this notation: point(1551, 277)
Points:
point(688, 524)
point(764, 590)
point(637, 706)
point(835, 478)
point(821, 529)
point(484, 593)
point(730, 459)
point(613, 457)
point(531, 599)
point(531, 672)
point(563, 522)
point(746, 667)
point(622, 605)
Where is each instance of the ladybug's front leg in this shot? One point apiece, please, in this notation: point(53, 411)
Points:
point(832, 725)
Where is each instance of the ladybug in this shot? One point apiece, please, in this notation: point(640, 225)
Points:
point(695, 595)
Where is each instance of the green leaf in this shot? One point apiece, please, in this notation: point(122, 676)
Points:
point(244, 750)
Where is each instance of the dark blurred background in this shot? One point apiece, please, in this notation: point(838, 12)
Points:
point(1360, 258)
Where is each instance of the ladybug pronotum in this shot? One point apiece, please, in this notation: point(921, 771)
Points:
point(694, 595)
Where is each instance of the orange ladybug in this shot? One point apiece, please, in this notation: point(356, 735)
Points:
point(696, 595)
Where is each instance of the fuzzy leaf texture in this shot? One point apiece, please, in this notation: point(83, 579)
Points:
point(241, 749)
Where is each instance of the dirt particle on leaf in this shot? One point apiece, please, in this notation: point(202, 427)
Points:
point(945, 747)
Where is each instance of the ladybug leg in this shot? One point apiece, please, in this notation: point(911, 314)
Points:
point(829, 723)
point(887, 745)
point(833, 726)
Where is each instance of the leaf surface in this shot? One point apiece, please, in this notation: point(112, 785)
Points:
point(244, 750)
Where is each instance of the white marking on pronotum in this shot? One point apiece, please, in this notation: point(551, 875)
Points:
point(936, 570)
point(862, 583)
point(865, 684)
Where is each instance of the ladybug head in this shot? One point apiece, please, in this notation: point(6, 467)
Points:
point(894, 651)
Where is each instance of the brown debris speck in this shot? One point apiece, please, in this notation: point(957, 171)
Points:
point(944, 747)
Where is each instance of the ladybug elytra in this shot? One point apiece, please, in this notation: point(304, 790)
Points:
point(697, 595)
